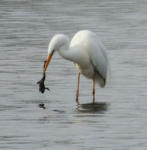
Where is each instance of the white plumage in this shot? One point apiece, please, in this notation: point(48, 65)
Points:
point(86, 51)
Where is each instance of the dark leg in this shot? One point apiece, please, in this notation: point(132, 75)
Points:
point(93, 90)
point(77, 93)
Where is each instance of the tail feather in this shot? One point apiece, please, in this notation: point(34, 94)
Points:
point(101, 81)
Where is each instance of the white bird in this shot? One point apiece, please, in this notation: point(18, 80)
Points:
point(88, 54)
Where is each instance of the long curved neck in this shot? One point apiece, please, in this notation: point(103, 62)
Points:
point(65, 52)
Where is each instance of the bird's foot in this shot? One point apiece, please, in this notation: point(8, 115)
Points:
point(77, 101)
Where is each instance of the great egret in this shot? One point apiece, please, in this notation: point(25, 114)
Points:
point(88, 54)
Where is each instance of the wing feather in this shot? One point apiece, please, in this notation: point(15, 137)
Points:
point(98, 57)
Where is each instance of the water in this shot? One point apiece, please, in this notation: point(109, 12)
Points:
point(117, 121)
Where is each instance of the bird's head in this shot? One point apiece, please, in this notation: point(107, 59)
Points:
point(57, 43)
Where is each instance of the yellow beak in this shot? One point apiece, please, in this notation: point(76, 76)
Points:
point(48, 61)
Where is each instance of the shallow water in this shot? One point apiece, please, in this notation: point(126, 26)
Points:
point(117, 121)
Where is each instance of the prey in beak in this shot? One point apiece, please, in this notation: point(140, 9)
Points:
point(42, 87)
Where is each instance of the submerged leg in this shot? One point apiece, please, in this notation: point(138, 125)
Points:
point(93, 90)
point(77, 93)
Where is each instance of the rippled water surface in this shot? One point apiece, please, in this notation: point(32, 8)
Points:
point(118, 121)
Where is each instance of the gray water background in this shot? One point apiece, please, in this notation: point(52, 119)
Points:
point(26, 27)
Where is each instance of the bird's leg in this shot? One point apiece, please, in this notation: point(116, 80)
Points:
point(93, 90)
point(77, 93)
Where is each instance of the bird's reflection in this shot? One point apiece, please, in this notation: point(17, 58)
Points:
point(98, 107)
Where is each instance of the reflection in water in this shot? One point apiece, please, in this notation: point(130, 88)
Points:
point(42, 106)
point(59, 111)
point(98, 107)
